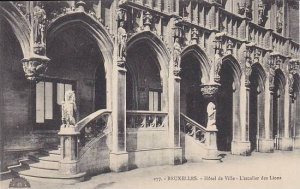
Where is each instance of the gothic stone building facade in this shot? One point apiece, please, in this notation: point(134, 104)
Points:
point(111, 85)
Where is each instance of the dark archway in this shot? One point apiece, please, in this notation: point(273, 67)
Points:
point(77, 63)
point(192, 102)
point(143, 82)
point(278, 104)
point(225, 108)
point(256, 108)
point(228, 105)
point(100, 88)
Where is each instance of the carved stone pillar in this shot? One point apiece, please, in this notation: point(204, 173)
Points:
point(209, 91)
point(119, 155)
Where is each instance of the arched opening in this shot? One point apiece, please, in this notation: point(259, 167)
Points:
point(278, 104)
point(77, 64)
point(143, 81)
point(192, 102)
point(227, 115)
point(256, 109)
point(15, 95)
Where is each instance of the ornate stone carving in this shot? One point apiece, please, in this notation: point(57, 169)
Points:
point(194, 37)
point(210, 90)
point(261, 11)
point(245, 9)
point(176, 56)
point(34, 66)
point(80, 6)
point(39, 28)
point(291, 83)
point(121, 40)
point(229, 47)
point(279, 19)
point(147, 21)
point(248, 71)
point(68, 108)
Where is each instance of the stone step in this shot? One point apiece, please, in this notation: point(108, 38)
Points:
point(40, 165)
point(47, 152)
point(44, 175)
point(41, 157)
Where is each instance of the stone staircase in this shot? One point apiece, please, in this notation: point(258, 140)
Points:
point(44, 166)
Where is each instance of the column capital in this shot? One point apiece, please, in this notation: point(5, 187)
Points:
point(35, 66)
point(210, 90)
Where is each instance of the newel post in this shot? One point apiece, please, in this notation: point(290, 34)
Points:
point(68, 137)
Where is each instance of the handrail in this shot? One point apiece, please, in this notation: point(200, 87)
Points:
point(193, 122)
point(192, 128)
point(82, 123)
point(145, 112)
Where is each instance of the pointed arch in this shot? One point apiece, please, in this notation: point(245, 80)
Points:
point(262, 76)
point(156, 44)
point(200, 55)
point(19, 25)
point(234, 65)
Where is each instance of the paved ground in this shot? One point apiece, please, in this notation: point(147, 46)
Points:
point(280, 170)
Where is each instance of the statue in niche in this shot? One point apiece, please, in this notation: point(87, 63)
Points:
point(279, 19)
point(211, 113)
point(291, 83)
point(261, 10)
point(176, 53)
point(39, 23)
point(68, 108)
point(122, 38)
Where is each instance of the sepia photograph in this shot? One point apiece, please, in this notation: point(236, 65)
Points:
point(150, 94)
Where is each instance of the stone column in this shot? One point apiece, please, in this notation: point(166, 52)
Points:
point(286, 141)
point(240, 144)
point(174, 117)
point(267, 144)
point(119, 155)
point(209, 92)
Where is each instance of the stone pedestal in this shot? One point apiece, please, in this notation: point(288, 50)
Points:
point(266, 145)
point(69, 150)
point(285, 144)
point(241, 148)
point(212, 154)
point(209, 91)
point(119, 161)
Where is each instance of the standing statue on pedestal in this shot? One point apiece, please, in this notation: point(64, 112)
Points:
point(122, 38)
point(68, 109)
point(176, 53)
point(39, 22)
point(211, 113)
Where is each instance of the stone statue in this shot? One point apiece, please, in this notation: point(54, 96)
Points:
point(68, 109)
point(177, 53)
point(122, 38)
point(261, 9)
point(279, 19)
point(39, 22)
point(291, 83)
point(211, 113)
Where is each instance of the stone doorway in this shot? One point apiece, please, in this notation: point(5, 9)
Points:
point(192, 102)
point(225, 109)
point(256, 108)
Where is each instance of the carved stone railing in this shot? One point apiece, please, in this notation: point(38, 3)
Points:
point(192, 128)
point(77, 140)
point(92, 128)
point(146, 119)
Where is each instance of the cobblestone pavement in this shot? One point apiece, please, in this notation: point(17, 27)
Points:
point(261, 170)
